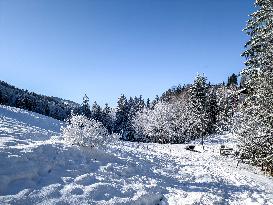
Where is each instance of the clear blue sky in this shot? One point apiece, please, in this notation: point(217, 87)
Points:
point(66, 48)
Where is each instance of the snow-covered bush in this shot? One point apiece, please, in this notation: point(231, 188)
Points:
point(85, 132)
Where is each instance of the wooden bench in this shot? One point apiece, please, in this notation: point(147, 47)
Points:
point(225, 150)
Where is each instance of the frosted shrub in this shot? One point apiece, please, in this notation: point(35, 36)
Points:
point(164, 124)
point(85, 132)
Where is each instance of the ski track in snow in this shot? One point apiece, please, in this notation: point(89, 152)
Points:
point(36, 168)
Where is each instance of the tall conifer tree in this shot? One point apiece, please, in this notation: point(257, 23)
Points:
point(256, 120)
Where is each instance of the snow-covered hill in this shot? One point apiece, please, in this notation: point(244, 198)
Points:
point(36, 167)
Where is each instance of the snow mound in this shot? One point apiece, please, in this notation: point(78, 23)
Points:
point(22, 124)
point(37, 167)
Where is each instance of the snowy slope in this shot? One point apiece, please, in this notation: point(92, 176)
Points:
point(36, 168)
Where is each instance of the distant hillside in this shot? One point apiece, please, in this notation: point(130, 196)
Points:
point(50, 106)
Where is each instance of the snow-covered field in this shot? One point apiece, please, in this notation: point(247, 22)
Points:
point(36, 167)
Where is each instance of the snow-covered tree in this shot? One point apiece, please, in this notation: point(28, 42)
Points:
point(232, 80)
point(162, 126)
point(255, 121)
point(141, 123)
point(182, 118)
point(96, 112)
point(85, 108)
point(199, 119)
point(148, 103)
point(155, 101)
point(166, 123)
point(108, 118)
point(122, 115)
point(259, 49)
point(85, 132)
point(26, 101)
point(227, 103)
point(157, 125)
point(212, 110)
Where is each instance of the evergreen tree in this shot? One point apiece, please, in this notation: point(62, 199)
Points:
point(199, 118)
point(96, 112)
point(259, 49)
point(155, 101)
point(85, 108)
point(157, 125)
point(148, 104)
point(255, 121)
point(232, 80)
point(139, 104)
point(243, 81)
point(227, 102)
point(212, 110)
point(122, 116)
point(107, 118)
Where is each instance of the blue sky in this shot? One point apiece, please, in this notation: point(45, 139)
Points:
point(104, 48)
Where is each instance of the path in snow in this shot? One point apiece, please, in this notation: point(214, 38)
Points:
point(39, 169)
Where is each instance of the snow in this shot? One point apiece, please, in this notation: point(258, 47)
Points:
point(37, 167)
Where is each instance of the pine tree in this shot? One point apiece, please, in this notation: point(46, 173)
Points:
point(107, 118)
point(259, 49)
point(212, 110)
point(122, 115)
point(155, 101)
point(199, 118)
point(85, 108)
point(96, 112)
point(138, 104)
point(148, 104)
point(227, 102)
point(255, 126)
point(232, 80)
point(135, 105)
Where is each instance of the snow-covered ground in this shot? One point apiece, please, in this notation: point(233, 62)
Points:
point(36, 167)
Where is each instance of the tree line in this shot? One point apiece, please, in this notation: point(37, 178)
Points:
point(181, 114)
point(179, 109)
